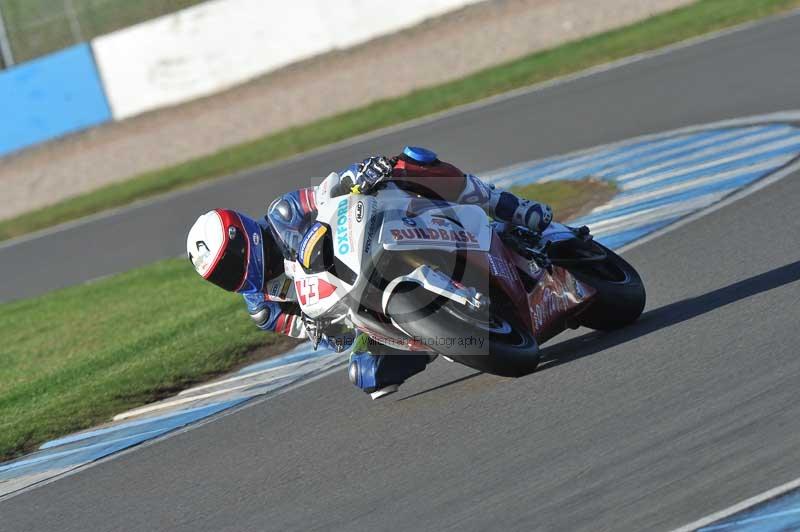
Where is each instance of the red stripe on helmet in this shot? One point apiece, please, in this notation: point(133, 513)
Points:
point(230, 218)
point(312, 200)
point(304, 204)
point(222, 248)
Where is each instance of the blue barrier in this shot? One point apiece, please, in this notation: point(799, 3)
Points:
point(50, 97)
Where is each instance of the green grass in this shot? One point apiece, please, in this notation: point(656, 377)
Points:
point(698, 18)
point(73, 358)
point(569, 199)
point(38, 27)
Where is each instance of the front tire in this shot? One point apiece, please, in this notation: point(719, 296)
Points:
point(492, 346)
point(620, 297)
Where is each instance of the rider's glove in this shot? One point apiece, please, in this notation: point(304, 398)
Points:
point(371, 172)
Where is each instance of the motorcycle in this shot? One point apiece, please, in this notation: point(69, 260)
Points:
point(425, 275)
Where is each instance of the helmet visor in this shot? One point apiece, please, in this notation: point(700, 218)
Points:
point(229, 272)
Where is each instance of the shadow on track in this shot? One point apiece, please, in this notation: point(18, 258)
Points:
point(443, 385)
point(653, 320)
point(668, 315)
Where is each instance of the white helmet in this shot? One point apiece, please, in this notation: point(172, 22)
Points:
point(227, 248)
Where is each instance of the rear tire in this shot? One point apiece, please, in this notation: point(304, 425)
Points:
point(620, 297)
point(499, 347)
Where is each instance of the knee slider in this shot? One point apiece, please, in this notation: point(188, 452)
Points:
point(362, 371)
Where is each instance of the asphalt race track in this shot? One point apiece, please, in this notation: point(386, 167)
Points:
point(742, 74)
point(692, 409)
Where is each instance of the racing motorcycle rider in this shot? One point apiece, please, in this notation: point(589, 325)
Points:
point(256, 258)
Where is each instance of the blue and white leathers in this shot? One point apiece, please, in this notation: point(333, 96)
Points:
point(274, 308)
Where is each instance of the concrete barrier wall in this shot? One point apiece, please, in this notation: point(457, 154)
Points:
point(50, 97)
point(218, 44)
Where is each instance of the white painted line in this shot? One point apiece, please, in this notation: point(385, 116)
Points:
point(650, 151)
point(245, 376)
point(61, 454)
point(780, 117)
point(572, 164)
point(175, 432)
point(176, 402)
point(727, 200)
point(649, 216)
point(632, 199)
point(335, 366)
point(107, 429)
point(626, 179)
point(738, 507)
point(754, 520)
point(321, 362)
point(773, 131)
point(492, 100)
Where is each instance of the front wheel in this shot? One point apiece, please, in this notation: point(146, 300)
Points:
point(620, 297)
point(480, 340)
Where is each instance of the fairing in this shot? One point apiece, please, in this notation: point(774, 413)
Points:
point(363, 228)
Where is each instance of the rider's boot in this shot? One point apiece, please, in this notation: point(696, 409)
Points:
point(380, 374)
point(505, 206)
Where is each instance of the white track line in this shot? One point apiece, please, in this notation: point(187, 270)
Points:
point(784, 116)
point(622, 159)
point(790, 115)
point(632, 184)
point(253, 401)
point(743, 505)
point(648, 216)
point(707, 151)
point(244, 376)
point(731, 198)
point(698, 182)
point(178, 402)
point(281, 375)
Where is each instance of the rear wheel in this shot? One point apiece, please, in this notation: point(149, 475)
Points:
point(476, 338)
point(620, 297)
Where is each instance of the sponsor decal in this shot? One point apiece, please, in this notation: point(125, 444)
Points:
point(499, 267)
point(309, 243)
point(441, 222)
point(287, 283)
point(409, 221)
point(373, 223)
point(278, 289)
point(256, 239)
point(312, 289)
point(359, 211)
point(342, 236)
point(430, 234)
point(556, 294)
